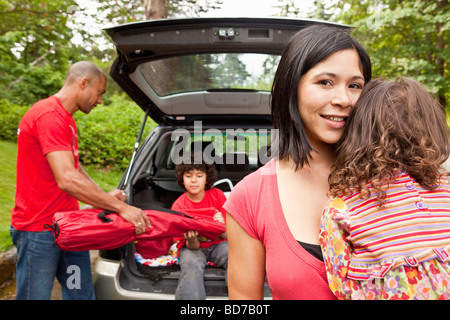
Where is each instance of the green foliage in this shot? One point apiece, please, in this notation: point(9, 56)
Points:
point(107, 179)
point(35, 48)
point(107, 135)
point(39, 83)
point(124, 11)
point(230, 69)
point(408, 38)
point(10, 115)
point(7, 190)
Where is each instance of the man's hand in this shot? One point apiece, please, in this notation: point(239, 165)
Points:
point(137, 217)
point(132, 214)
point(119, 194)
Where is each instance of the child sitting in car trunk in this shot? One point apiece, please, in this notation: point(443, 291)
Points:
point(197, 178)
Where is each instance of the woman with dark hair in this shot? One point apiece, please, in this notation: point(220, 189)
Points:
point(274, 214)
point(386, 234)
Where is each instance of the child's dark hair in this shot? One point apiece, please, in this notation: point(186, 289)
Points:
point(395, 125)
point(193, 163)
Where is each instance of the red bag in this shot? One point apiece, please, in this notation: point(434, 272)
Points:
point(150, 248)
point(97, 229)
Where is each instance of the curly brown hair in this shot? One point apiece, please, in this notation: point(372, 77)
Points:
point(395, 125)
point(192, 163)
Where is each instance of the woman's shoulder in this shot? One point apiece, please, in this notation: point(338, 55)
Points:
point(255, 188)
point(263, 174)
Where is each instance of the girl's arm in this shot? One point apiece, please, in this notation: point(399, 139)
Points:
point(219, 217)
point(246, 263)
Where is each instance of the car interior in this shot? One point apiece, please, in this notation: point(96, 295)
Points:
point(157, 187)
point(235, 155)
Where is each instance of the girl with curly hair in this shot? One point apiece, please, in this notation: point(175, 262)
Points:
point(385, 233)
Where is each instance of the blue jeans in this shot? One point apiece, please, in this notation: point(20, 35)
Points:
point(39, 261)
point(192, 265)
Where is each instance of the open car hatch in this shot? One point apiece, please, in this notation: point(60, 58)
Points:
point(217, 70)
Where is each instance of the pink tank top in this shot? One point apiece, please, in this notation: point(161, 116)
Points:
point(292, 272)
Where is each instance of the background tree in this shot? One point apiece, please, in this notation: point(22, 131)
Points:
point(39, 39)
point(229, 71)
point(34, 48)
point(408, 37)
point(155, 9)
point(122, 11)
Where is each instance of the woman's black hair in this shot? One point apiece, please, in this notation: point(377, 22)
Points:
point(307, 48)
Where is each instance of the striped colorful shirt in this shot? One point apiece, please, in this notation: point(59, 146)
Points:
point(398, 251)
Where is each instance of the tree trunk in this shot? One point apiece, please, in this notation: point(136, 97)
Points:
point(155, 9)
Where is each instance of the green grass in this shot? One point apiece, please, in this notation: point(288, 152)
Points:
point(106, 179)
point(8, 155)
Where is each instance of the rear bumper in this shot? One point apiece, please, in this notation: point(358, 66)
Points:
point(107, 285)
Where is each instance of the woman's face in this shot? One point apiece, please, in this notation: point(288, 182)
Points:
point(327, 93)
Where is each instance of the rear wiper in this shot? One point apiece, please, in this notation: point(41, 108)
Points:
point(232, 90)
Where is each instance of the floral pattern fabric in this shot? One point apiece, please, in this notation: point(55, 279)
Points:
point(422, 280)
point(169, 259)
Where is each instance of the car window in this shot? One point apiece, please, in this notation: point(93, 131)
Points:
point(251, 142)
point(200, 72)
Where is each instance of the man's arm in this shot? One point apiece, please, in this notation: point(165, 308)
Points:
point(81, 187)
point(119, 194)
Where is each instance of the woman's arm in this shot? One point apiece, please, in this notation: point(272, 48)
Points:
point(246, 263)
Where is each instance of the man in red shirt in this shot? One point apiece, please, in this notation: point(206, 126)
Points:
point(50, 179)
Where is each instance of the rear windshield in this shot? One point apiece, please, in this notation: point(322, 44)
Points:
point(202, 72)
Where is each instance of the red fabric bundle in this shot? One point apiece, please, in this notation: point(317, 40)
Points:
point(206, 226)
point(85, 230)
